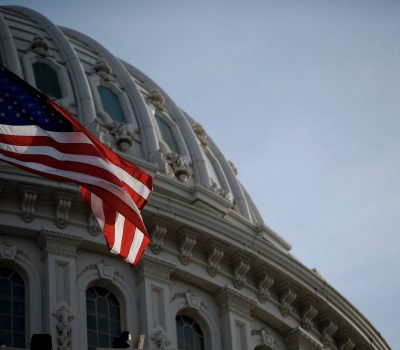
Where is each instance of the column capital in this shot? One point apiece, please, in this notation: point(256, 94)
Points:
point(298, 338)
point(151, 267)
point(59, 243)
point(229, 300)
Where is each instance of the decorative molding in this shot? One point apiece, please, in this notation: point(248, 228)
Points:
point(309, 311)
point(39, 46)
point(186, 246)
point(229, 300)
point(124, 138)
point(63, 201)
point(154, 268)
point(299, 339)
point(192, 300)
point(180, 166)
point(105, 271)
point(158, 157)
point(93, 225)
point(157, 233)
point(240, 268)
point(200, 133)
point(172, 165)
point(287, 297)
point(59, 243)
point(103, 69)
point(264, 283)
point(64, 329)
point(227, 195)
point(29, 194)
point(233, 167)
point(328, 328)
point(156, 98)
point(214, 257)
point(8, 251)
point(266, 338)
point(161, 340)
point(346, 344)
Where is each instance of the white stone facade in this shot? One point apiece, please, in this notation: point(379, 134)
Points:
point(211, 258)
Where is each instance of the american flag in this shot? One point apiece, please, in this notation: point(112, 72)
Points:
point(39, 136)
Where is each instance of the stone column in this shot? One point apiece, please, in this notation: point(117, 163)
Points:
point(154, 307)
point(234, 310)
point(60, 308)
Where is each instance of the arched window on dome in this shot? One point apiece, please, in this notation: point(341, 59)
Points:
point(111, 103)
point(212, 169)
point(103, 318)
point(46, 79)
point(12, 308)
point(189, 334)
point(167, 134)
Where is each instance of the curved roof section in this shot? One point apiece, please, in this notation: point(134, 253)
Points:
point(156, 134)
point(196, 187)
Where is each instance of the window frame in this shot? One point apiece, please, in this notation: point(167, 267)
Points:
point(176, 133)
point(224, 184)
point(130, 116)
point(194, 320)
point(22, 276)
point(67, 99)
point(115, 295)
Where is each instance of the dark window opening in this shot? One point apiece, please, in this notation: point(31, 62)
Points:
point(103, 318)
point(46, 80)
point(12, 308)
point(189, 334)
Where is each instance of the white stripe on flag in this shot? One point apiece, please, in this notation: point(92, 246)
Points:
point(97, 209)
point(135, 246)
point(34, 130)
point(118, 233)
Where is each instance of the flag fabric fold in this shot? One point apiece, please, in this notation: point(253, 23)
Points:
point(39, 136)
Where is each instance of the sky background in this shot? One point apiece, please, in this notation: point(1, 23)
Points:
point(304, 98)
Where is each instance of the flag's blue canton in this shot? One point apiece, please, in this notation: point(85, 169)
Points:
point(20, 104)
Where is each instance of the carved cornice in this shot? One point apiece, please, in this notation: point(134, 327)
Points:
point(187, 243)
point(150, 267)
point(346, 343)
point(328, 328)
point(59, 243)
point(63, 201)
point(229, 300)
point(241, 266)
point(264, 283)
point(215, 253)
point(29, 194)
point(299, 339)
point(308, 313)
point(157, 233)
point(287, 296)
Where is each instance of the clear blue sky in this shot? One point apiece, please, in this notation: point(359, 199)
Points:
point(304, 97)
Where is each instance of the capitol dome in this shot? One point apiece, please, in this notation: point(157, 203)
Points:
point(214, 277)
